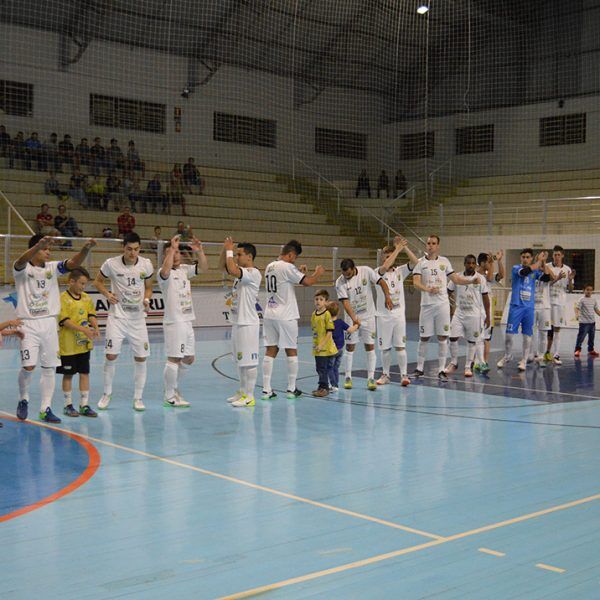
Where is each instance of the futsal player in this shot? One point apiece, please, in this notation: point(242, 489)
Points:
point(541, 318)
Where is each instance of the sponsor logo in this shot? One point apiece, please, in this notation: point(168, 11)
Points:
point(404, 339)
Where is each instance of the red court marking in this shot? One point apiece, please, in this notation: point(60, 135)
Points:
point(88, 473)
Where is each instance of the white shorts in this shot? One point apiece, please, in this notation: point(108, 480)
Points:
point(179, 339)
point(283, 334)
point(542, 319)
point(366, 333)
point(558, 316)
point(134, 331)
point(244, 344)
point(40, 341)
point(391, 332)
point(434, 319)
point(468, 327)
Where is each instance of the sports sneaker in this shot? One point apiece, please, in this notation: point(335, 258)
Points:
point(468, 372)
point(244, 401)
point(540, 361)
point(556, 360)
point(348, 383)
point(104, 401)
point(442, 377)
point(451, 368)
point(138, 404)
point(548, 356)
point(484, 368)
point(333, 389)
point(22, 409)
point(235, 397)
point(293, 395)
point(503, 362)
point(181, 399)
point(418, 373)
point(87, 411)
point(176, 401)
point(265, 396)
point(477, 367)
point(49, 417)
point(405, 380)
point(578, 353)
point(383, 380)
point(593, 353)
point(70, 411)
point(371, 385)
point(522, 366)
point(320, 393)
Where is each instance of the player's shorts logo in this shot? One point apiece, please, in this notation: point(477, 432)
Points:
point(547, 323)
point(404, 339)
point(476, 334)
point(142, 275)
point(446, 327)
point(373, 335)
point(146, 346)
point(239, 355)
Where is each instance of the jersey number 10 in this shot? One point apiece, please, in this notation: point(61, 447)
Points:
point(271, 283)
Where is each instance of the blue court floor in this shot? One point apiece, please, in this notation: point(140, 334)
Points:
point(482, 488)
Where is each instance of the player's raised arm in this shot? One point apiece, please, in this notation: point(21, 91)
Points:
point(167, 264)
point(198, 254)
point(388, 263)
point(77, 260)
point(312, 279)
point(230, 265)
point(459, 279)
point(42, 244)
point(501, 271)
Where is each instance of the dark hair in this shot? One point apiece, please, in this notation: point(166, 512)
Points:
point(248, 248)
point(587, 285)
point(323, 293)
point(131, 238)
point(527, 251)
point(388, 249)
point(470, 257)
point(77, 273)
point(434, 235)
point(482, 257)
point(292, 246)
point(333, 308)
point(34, 239)
point(558, 248)
point(346, 264)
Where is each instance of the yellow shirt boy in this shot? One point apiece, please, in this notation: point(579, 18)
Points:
point(78, 311)
point(322, 323)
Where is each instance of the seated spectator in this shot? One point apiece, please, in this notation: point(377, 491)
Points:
point(191, 177)
point(66, 150)
point(383, 183)
point(155, 197)
point(107, 232)
point(96, 193)
point(67, 226)
point(97, 157)
point(114, 157)
point(134, 162)
point(157, 239)
point(77, 185)
point(51, 186)
point(185, 237)
point(44, 221)
point(363, 184)
point(136, 194)
point(400, 185)
point(33, 151)
point(113, 190)
point(125, 222)
point(82, 154)
point(176, 187)
point(5, 145)
point(18, 149)
point(51, 153)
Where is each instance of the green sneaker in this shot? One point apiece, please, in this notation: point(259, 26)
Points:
point(292, 395)
point(371, 385)
point(69, 411)
point(548, 356)
point(87, 411)
point(348, 383)
point(267, 395)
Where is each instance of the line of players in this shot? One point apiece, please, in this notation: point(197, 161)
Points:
point(130, 275)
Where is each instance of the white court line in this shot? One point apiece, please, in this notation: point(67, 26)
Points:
point(491, 552)
point(550, 568)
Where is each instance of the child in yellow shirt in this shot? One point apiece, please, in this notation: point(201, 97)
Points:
point(78, 329)
point(324, 348)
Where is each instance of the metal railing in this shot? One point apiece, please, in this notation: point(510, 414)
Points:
point(441, 174)
point(320, 178)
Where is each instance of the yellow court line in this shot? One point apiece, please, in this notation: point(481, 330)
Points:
point(256, 486)
point(492, 552)
point(550, 568)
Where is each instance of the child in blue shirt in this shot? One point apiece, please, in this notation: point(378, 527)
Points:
point(340, 328)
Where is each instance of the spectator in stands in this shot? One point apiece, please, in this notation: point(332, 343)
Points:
point(44, 221)
point(33, 151)
point(126, 221)
point(77, 185)
point(51, 153)
point(18, 148)
point(400, 185)
point(185, 237)
point(96, 193)
point(126, 189)
point(155, 197)
point(97, 157)
point(107, 232)
point(136, 195)
point(191, 177)
point(157, 239)
point(134, 162)
point(66, 150)
point(51, 185)
point(82, 154)
point(5, 145)
point(383, 183)
point(363, 184)
point(176, 187)
point(114, 157)
point(67, 226)
point(113, 190)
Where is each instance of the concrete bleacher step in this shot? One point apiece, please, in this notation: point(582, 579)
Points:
point(575, 174)
point(570, 187)
point(524, 196)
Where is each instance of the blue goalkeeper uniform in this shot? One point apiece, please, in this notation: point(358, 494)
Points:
point(522, 302)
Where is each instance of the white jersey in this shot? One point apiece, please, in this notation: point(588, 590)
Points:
point(469, 298)
point(357, 290)
point(395, 280)
point(128, 285)
point(244, 296)
point(434, 273)
point(38, 294)
point(177, 294)
point(558, 290)
point(280, 279)
point(542, 294)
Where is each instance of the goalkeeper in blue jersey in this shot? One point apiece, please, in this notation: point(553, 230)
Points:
point(522, 303)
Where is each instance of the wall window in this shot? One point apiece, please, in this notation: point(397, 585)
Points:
point(472, 140)
point(16, 98)
point(417, 145)
point(345, 144)
point(566, 129)
point(244, 130)
point(123, 113)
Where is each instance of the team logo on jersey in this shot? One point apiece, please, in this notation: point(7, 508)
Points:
point(364, 282)
point(547, 323)
point(48, 274)
point(239, 355)
point(442, 267)
point(81, 311)
point(373, 335)
point(142, 275)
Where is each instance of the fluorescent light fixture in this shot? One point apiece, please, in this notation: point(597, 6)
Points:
point(423, 9)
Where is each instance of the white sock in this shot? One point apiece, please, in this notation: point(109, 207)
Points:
point(554, 348)
point(242, 375)
point(348, 358)
point(139, 379)
point(386, 361)
point(479, 352)
point(371, 362)
point(293, 365)
point(454, 352)
point(527, 341)
point(47, 382)
point(109, 374)
point(251, 373)
point(470, 354)
point(508, 344)
point(181, 372)
point(170, 373)
point(68, 398)
point(421, 353)
point(267, 371)
point(443, 352)
point(402, 360)
point(24, 383)
point(542, 341)
point(85, 398)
